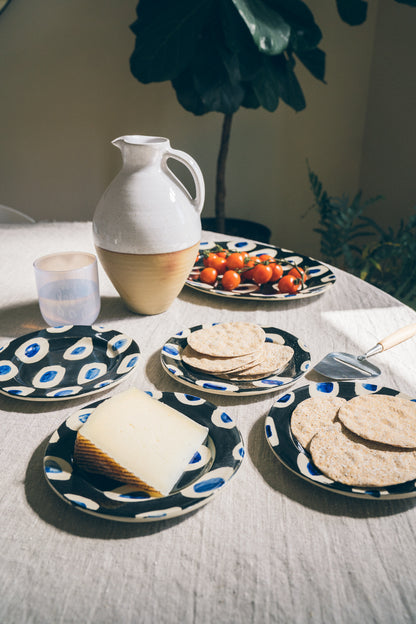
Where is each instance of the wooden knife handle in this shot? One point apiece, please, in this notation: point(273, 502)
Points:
point(398, 336)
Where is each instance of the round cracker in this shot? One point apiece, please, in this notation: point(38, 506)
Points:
point(381, 418)
point(312, 415)
point(227, 339)
point(211, 364)
point(345, 457)
point(275, 357)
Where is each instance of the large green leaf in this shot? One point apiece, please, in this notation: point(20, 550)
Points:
point(289, 87)
point(266, 85)
point(314, 61)
point(301, 20)
point(187, 95)
point(353, 12)
point(167, 33)
point(269, 30)
point(217, 75)
point(237, 39)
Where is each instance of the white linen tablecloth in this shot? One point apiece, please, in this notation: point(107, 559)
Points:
point(270, 547)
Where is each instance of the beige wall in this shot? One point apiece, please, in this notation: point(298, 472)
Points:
point(67, 91)
point(389, 147)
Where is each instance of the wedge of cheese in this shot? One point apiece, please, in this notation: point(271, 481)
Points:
point(139, 440)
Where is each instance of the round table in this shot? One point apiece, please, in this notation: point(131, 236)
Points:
point(270, 547)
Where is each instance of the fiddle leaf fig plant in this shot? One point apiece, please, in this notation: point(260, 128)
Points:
point(221, 55)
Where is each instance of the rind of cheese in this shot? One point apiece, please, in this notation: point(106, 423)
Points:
point(136, 439)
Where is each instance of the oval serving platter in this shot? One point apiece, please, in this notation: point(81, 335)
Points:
point(60, 363)
point(171, 359)
point(214, 464)
point(292, 455)
point(321, 277)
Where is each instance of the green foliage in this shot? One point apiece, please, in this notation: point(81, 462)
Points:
point(223, 54)
point(355, 242)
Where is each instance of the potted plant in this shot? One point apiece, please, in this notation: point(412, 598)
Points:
point(224, 54)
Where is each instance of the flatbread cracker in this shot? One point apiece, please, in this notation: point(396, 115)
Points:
point(227, 339)
point(312, 415)
point(381, 418)
point(275, 358)
point(212, 364)
point(347, 458)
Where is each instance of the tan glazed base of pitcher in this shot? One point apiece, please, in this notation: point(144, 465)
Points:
point(148, 283)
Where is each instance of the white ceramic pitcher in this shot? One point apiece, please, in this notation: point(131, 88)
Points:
point(147, 226)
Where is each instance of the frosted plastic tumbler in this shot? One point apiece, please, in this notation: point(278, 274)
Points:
point(68, 288)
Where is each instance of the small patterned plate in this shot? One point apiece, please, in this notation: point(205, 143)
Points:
point(214, 464)
point(171, 358)
point(65, 362)
point(286, 448)
point(321, 278)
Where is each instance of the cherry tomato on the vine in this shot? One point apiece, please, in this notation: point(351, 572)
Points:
point(230, 280)
point(298, 272)
point(222, 254)
point(289, 284)
point(208, 275)
point(262, 273)
point(247, 273)
point(277, 272)
point(265, 258)
point(219, 264)
point(208, 260)
point(235, 261)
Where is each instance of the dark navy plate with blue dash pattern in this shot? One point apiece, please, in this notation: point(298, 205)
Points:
point(213, 465)
point(65, 362)
point(292, 455)
point(320, 279)
point(171, 358)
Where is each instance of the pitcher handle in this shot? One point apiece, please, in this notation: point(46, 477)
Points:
point(196, 172)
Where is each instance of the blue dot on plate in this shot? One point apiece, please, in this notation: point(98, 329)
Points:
point(48, 376)
point(62, 393)
point(213, 386)
point(32, 349)
point(14, 391)
point(196, 458)
point(268, 431)
point(370, 387)
point(272, 382)
point(169, 350)
point(208, 485)
point(325, 386)
point(92, 373)
point(52, 467)
point(242, 452)
point(191, 397)
point(78, 350)
point(5, 369)
point(118, 344)
point(84, 417)
point(132, 362)
point(225, 418)
point(283, 399)
point(312, 469)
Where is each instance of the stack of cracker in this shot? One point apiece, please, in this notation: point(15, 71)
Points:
point(235, 351)
point(368, 441)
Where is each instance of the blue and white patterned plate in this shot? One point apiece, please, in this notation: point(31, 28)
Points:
point(286, 447)
point(65, 362)
point(321, 278)
point(171, 358)
point(214, 464)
